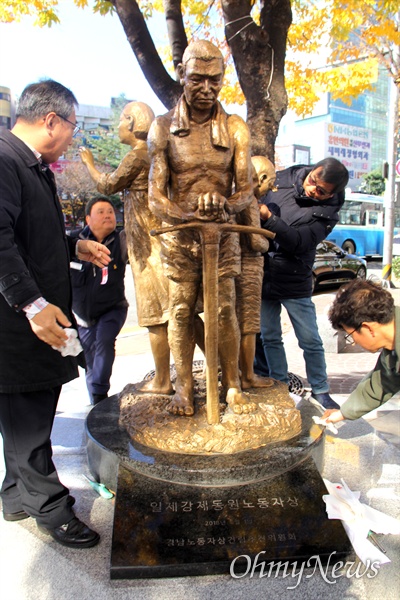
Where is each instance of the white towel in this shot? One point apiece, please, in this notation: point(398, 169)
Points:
point(358, 520)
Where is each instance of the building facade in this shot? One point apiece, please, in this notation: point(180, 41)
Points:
point(356, 134)
point(90, 118)
point(6, 108)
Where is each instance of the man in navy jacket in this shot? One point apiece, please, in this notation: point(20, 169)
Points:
point(98, 298)
point(301, 211)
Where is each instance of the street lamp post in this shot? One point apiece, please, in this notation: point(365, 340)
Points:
point(390, 187)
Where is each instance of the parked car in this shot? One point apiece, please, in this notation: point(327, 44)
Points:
point(334, 266)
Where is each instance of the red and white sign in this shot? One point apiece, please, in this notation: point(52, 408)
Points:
point(398, 168)
point(352, 146)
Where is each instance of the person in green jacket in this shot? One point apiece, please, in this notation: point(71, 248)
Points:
point(366, 312)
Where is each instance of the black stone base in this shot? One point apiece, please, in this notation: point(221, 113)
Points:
point(166, 529)
point(108, 445)
point(181, 515)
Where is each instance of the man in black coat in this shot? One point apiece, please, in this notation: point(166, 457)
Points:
point(35, 310)
point(301, 211)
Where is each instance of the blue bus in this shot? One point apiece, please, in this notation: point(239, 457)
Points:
point(360, 229)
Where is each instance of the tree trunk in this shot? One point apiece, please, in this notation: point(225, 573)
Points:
point(176, 29)
point(164, 86)
point(259, 56)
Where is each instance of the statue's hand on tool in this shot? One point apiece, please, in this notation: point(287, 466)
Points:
point(211, 207)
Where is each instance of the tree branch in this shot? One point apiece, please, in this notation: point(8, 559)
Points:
point(176, 30)
point(259, 56)
point(140, 40)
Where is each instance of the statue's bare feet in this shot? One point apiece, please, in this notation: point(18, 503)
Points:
point(155, 387)
point(257, 382)
point(239, 402)
point(181, 405)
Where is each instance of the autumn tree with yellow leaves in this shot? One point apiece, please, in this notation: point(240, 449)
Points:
point(277, 51)
point(336, 46)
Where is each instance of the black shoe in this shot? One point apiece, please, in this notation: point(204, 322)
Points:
point(96, 398)
point(323, 400)
point(21, 514)
point(15, 516)
point(73, 534)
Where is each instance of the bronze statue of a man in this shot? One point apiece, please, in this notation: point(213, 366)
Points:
point(198, 155)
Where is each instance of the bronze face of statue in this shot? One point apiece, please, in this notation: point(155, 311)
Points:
point(265, 175)
point(151, 285)
point(198, 154)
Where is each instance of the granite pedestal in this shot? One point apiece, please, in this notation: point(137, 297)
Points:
point(179, 515)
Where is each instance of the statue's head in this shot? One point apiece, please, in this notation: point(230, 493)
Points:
point(265, 175)
point(134, 122)
point(201, 74)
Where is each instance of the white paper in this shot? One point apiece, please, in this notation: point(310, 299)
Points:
point(358, 520)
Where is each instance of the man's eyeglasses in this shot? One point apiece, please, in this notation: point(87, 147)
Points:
point(349, 336)
point(320, 191)
point(75, 126)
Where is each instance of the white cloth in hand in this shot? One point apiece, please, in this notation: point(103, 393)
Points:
point(323, 422)
point(72, 346)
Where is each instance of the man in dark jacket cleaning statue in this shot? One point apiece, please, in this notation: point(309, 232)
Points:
point(302, 210)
